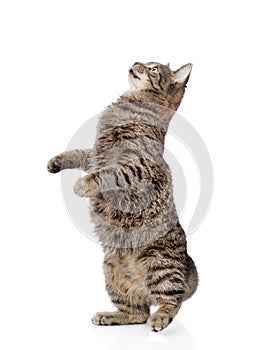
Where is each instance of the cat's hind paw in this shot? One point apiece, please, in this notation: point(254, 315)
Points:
point(157, 322)
point(103, 318)
point(117, 318)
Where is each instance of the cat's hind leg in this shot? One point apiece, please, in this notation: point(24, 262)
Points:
point(126, 293)
point(126, 314)
point(170, 290)
point(164, 315)
point(118, 318)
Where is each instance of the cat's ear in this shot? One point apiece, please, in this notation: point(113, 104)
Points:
point(182, 75)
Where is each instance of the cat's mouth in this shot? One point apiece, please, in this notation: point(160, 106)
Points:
point(131, 72)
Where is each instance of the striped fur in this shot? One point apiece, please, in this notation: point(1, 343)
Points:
point(129, 187)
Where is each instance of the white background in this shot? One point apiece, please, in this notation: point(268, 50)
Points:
point(64, 61)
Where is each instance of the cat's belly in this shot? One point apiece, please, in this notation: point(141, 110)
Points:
point(127, 229)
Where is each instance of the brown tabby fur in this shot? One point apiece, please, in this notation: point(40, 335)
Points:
point(131, 200)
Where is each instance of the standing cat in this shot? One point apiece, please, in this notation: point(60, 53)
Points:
point(130, 192)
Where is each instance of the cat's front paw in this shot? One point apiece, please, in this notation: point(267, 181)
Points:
point(85, 186)
point(54, 165)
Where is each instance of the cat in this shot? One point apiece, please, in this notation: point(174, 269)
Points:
point(130, 193)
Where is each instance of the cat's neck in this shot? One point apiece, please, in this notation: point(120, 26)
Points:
point(153, 107)
point(137, 107)
point(144, 96)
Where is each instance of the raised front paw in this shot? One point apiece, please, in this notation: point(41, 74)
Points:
point(54, 164)
point(86, 186)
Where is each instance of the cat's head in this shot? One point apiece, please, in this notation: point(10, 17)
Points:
point(160, 79)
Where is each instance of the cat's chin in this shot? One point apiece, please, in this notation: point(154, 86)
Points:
point(132, 84)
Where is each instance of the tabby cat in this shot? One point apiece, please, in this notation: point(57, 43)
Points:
point(130, 193)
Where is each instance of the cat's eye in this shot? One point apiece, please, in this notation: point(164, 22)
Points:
point(154, 69)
